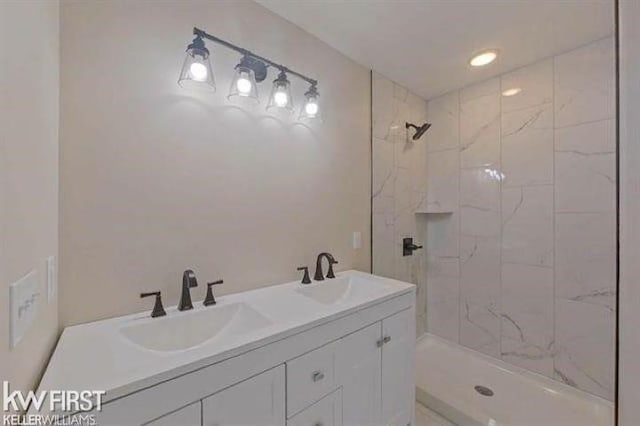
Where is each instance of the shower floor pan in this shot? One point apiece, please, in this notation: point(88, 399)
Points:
point(472, 389)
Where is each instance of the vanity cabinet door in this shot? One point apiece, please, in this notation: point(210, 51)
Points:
point(358, 364)
point(397, 370)
point(259, 400)
point(190, 415)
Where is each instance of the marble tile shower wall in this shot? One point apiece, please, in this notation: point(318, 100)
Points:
point(399, 185)
point(522, 264)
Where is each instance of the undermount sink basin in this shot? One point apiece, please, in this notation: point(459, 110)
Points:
point(185, 330)
point(341, 290)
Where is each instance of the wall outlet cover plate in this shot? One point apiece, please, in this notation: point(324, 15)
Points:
point(23, 301)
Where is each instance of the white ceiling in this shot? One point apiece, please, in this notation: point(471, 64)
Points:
point(426, 44)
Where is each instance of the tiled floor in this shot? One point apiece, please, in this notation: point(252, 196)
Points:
point(427, 417)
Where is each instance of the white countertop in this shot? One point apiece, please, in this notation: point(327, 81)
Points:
point(96, 356)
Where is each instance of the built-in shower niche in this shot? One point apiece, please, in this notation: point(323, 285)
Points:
point(442, 268)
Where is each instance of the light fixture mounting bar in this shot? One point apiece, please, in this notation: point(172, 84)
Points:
point(204, 34)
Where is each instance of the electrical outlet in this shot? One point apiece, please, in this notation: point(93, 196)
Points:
point(357, 240)
point(51, 278)
point(23, 300)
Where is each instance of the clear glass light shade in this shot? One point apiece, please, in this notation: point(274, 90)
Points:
point(243, 84)
point(196, 71)
point(311, 107)
point(280, 98)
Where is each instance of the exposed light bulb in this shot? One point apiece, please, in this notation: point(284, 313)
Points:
point(198, 71)
point(281, 99)
point(311, 108)
point(243, 84)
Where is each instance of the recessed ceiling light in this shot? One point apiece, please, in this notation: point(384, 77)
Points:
point(483, 58)
point(511, 92)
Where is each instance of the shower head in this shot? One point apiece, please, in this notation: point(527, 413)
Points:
point(419, 129)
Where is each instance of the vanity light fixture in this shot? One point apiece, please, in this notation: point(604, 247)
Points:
point(511, 92)
point(483, 58)
point(252, 69)
point(243, 84)
point(281, 93)
point(196, 71)
point(311, 108)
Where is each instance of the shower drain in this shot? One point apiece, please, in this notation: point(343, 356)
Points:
point(483, 390)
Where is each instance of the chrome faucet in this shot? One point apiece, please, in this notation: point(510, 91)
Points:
point(319, 275)
point(188, 281)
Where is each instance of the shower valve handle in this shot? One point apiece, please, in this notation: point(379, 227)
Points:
point(408, 247)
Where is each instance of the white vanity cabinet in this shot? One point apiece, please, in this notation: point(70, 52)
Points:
point(191, 415)
point(255, 401)
point(398, 391)
point(354, 367)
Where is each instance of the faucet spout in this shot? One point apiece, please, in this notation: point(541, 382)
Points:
point(319, 275)
point(188, 281)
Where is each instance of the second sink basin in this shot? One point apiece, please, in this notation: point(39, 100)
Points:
point(342, 290)
point(185, 330)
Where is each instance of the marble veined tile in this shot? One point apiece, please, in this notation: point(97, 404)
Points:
point(585, 168)
point(384, 107)
point(480, 270)
point(479, 202)
point(443, 177)
point(585, 340)
point(535, 82)
point(478, 90)
point(443, 114)
point(527, 146)
point(480, 327)
point(480, 125)
point(443, 235)
point(412, 155)
point(527, 317)
point(383, 174)
point(384, 244)
point(527, 225)
point(584, 82)
point(443, 295)
point(586, 258)
point(389, 110)
point(407, 195)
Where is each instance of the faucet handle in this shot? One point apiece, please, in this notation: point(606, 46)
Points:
point(332, 262)
point(158, 310)
point(305, 278)
point(210, 300)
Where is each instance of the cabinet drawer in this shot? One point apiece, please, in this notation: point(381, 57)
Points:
point(309, 377)
point(326, 412)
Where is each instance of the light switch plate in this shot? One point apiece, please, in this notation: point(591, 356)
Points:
point(357, 240)
point(51, 278)
point(23, 300)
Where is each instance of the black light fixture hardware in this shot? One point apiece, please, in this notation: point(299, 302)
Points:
point(252, 69)
point(203, 34)
point(196, 71)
